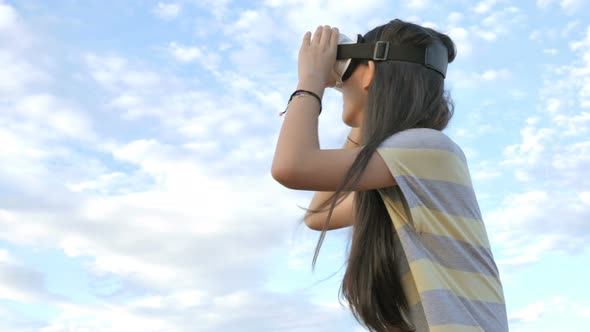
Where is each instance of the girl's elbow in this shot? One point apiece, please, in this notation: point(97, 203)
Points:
point(284, 174)
point(312, 224)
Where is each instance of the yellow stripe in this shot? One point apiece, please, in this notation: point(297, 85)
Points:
point(439, 223)
point(426, 164)
point(410, 289)
point(396, 210)
point(470, 285)
point(455, 328)
point(399, 218)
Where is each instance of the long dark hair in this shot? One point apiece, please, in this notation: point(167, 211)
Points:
point(401, 96)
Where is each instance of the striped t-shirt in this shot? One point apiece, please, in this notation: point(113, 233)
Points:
point(447, 269)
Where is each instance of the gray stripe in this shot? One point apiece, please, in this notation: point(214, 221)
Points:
point(459, 255)
point(443, 307)
point(422, 138)
point(443, 196)
point(405, 247)
point(418, 318)
point(447, 252)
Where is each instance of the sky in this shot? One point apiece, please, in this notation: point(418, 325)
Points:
point(136, 139)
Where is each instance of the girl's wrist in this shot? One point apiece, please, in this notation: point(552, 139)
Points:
point(312, 85)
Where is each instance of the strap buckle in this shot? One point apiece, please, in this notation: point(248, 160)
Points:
point(381, 51)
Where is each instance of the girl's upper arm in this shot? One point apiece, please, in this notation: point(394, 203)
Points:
point(324, 170)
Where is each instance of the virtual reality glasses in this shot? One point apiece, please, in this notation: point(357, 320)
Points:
point(350, 54)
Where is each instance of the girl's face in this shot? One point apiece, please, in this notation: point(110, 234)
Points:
point(354, 94)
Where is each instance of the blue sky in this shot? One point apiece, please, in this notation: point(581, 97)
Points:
point(136, 139)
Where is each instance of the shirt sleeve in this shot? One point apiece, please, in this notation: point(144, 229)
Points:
point(431, 172)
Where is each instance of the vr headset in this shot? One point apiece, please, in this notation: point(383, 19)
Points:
point(350, 54)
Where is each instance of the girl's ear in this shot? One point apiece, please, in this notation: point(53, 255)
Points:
point(368, 75)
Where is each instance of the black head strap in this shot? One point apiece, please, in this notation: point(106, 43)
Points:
point(434, 56)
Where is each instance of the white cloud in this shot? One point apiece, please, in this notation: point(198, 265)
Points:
point(6, 257)
point(304, 15)
point(547, 163)
point(431, 25)
point(13, 33)
point(47, 112)
point(553, 105)
point(116, 73)
point(484, 6)
point(535, 35)
point(119, 233)
point(494, 75)
point(523, 234)
point(247, 20)
point(20, 283)
point(184, 53)
point(551, 51)
point(455, 18)
point(160, 313)
point(18, 74)
point(571, 26)
point(35, 123)
point(8, 17)
point(499, 22)
point(532, 148)
point(18, 68)
point(544, 3)
point(576, 125)
point(569, 6)
point(484, 171)
point(207, 59)
point(219, 8)
point(167, 11)
point(517, 93)
point(584, 311)
point(464, 79)
point(485, 35)
point(534, 311)
point(461, 38)
point(102, 183)
point(417, 4)
point(525, 253)
point(171, 218)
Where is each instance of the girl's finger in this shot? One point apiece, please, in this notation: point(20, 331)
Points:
point(325, 38)
point(334, 37)
point(317, 36)
point(306, 39)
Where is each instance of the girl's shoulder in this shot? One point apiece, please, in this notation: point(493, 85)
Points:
point(422, 138)
point(419, 138)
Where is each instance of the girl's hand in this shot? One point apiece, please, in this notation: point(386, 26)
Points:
point(317, 57)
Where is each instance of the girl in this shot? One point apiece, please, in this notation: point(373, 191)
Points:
point(420, 259)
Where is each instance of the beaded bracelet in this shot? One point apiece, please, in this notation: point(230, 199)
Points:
point(298, 93)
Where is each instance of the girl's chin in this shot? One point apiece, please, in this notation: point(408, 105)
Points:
point(351, 124)
point(349, 121)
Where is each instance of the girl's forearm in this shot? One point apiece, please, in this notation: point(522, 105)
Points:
point(299, 134)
